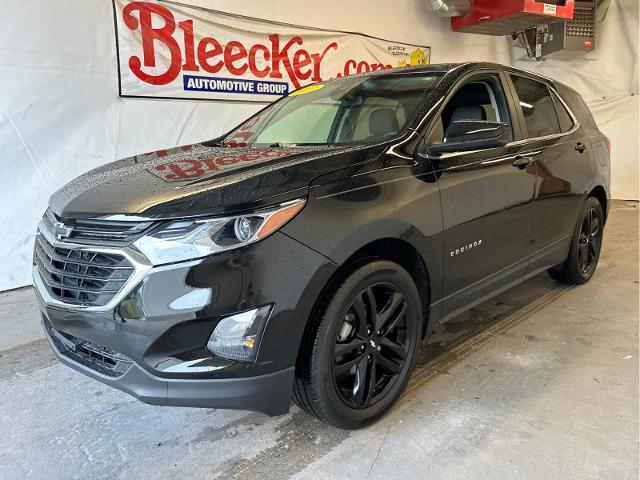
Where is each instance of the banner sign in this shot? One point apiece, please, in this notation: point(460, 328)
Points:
point(169, 50)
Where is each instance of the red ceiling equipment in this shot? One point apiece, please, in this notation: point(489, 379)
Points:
point(504, 17)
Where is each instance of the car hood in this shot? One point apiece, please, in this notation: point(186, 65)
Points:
point(201, 180)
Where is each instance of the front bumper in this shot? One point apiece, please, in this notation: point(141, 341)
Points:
point(158, 333)
point(263, 393)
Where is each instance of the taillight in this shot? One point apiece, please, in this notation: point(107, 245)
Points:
point(608, 142)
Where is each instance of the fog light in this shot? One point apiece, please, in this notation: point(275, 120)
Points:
point(237, 337)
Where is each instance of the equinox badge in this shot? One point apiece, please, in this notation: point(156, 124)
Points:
point(465, 248)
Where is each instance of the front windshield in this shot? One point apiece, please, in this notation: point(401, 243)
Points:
point(346, 110)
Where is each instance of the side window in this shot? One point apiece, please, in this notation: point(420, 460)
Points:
point(537, 106)
point(478, 100)
point(566, 123)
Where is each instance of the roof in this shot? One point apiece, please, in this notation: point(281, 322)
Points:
point(449, 67)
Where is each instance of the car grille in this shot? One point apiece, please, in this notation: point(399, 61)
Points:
point(80, 277)
point(93, 232)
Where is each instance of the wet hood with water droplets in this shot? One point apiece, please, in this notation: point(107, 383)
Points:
point(201, 180)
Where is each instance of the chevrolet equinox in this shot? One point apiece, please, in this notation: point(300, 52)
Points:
point(309, 252)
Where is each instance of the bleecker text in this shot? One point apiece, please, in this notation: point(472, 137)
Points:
point(273, 59)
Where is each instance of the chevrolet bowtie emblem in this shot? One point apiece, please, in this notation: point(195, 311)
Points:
point(60, 230)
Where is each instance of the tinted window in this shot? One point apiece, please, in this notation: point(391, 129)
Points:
point(566, 123)
point(537, 106)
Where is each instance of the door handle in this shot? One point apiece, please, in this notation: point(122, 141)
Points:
point(581, 147)
point(522, 161)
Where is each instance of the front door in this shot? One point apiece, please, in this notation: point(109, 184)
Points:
point(486, 197)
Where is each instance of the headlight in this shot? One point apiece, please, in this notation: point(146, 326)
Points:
point(195, 238)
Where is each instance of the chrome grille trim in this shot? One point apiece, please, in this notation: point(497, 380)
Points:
point(92, 231)
point(130, 272)
point(80, 277)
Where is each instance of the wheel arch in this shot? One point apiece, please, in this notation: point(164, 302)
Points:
point(408, 257)
point(599, 193)
point(393, 249)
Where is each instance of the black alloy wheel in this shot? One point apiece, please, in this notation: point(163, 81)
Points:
point(586, 243)
point(358, 355)
point(371, 345)
point(589, 241)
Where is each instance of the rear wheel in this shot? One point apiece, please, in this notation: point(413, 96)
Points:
point(586, 243)
point(357, 360)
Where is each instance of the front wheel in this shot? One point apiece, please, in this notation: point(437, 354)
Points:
point(586, 243)
point(358, 358)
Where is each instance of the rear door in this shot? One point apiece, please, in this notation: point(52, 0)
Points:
point(486, 198)
point(564, 166)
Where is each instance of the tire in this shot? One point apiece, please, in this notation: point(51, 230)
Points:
point(343, 352)
point(586, 240)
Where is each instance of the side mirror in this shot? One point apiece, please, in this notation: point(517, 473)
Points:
point(472, 135)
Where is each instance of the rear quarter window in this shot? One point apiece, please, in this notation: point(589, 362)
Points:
point(566, 122)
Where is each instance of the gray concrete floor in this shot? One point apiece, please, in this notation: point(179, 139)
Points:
point(538, 383)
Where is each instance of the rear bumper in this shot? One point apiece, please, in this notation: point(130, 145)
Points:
point(269, 393)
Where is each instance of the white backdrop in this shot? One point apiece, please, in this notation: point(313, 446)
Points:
point(60, 114)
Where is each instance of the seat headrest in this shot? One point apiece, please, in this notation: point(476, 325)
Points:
point(383, 121)
point(471, 112)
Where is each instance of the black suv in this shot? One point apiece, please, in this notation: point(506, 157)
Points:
point(310, 251)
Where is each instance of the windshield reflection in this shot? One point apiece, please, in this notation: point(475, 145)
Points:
point(342, 111)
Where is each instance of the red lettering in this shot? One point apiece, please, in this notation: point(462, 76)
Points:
point(250, 123)
point(149, 36)
point(282, 56)
point(317, 58)
point(230, 57)
point(243, 134)
point(211, 164)
point(234, 144)
point(193, 169)
point(300, 60)
point(348, 66)
point(363, 67)
point(253, 51)
point(189, 47)
point(204, 55)
point(227, 160)
point(157, 26)
point(189, 169)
